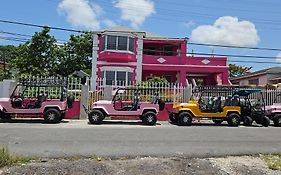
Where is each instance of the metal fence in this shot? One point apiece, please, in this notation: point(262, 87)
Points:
point(73, 86)
point(168, 92)
point(269, 95)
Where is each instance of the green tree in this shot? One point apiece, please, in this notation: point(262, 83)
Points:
point(236, 70)
point(37, 56)
point(74, 55)
point(7, 53)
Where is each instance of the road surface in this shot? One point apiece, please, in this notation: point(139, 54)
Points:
point(116, 139)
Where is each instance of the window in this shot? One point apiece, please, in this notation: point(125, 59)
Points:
point(131, 44)
point(111, 42)
point(109, 77)
point(118, 77)
point(168, 51)
point(122, 43)
point(254, 82)
point(121, 78)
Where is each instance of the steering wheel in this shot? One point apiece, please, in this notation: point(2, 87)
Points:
point(202, 104)
point(16, 98)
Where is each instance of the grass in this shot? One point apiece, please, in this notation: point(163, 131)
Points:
point(8, 159)
point(273, 161)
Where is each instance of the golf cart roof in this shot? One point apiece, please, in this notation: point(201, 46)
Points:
point(246, 92)
point(43, 82)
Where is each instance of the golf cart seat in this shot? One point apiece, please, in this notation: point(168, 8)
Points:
point(134, 105)
point(40, 99)
point(235, 101)
point(217, 105)
point(228, 101)
point(155, 98)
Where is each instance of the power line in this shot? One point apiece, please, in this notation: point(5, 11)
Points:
point(237, 47)
point(19, 34)
point(39, 26)
point(191, 13)
point(22, 40)
point(189, 43)
point(231, 55)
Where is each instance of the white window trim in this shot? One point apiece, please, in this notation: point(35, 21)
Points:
point(116, 45)
point(114, 68)
point(117, 51)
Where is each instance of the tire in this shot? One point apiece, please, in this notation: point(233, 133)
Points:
point(185, 119)
point(265, 121)
point(173, 118)
point(277, 120)
point(248, 121)
point(52, 115)
point(5, 117)
point(149, 118)
point(217, 121)
point(96, 117)
point(233, 120)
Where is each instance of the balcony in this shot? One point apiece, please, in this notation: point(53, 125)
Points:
point(117, 56)
point(185, 60)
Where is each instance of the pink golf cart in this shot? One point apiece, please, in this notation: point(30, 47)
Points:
point(29, 99)
point(274, 111)
point(127, 102)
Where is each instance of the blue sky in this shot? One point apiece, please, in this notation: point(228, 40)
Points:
point(254, 23)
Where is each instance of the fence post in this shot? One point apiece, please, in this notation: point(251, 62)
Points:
point(84, 101)
point(187, 93)
point(108, 92)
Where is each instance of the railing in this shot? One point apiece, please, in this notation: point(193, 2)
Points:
point(168, 92)
point(73, 87)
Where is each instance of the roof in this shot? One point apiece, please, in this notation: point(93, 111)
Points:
point(130, 30)
point(246, 92)
point(273, 70)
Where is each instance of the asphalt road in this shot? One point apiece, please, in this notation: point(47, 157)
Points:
point(133, 139)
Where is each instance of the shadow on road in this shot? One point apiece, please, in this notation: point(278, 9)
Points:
point(224, 124)
point(28, 121)
point(119, 122)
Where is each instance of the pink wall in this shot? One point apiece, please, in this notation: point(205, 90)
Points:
point(74, 112)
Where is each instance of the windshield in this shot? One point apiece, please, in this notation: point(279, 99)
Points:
point(19, 90)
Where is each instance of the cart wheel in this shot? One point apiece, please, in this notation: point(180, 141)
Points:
point(248, 121)
point(52, 115)
point(173, 118)
point(217, 121)
point(149, 118)
point(277, 120)
point(265, 121)
point(5, 117)
point(185, 119)
point(95, 117)
point(233, 119)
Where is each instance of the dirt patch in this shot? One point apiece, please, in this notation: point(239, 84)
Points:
point(144, 166)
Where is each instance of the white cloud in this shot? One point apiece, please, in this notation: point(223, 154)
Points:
point(81, 13)
point(109, 23)
point(188, 24)
point(135, 11)
point(278, 58)
point(227, 30)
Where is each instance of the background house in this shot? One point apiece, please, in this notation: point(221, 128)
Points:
point(270, 76)
point(123, 55)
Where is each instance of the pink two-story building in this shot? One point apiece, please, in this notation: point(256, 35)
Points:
point(123, 55)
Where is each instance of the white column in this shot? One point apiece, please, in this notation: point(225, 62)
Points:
point(94, 61)
point(139, 57)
